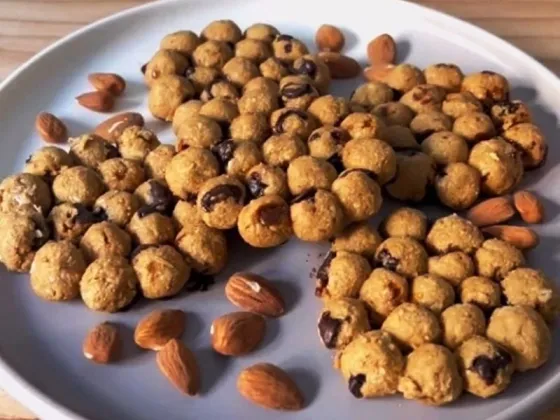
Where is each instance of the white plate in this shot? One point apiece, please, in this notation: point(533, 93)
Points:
point(42, 365)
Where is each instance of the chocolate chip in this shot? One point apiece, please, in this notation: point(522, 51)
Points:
point(284, 37)
point(339, 136)
point(329, 328)
point(272, 214)
point(111, 151)
point(386, 260)
point(288, 48)
point(221, 193)
point(199, 282)
point(355, 384)
point(308, 195)
point(487, 368)
point(279, 126)
point(29, 159)
point(86, 216)
point(323, 273)
point(191, 198)
point(224, 151)
point(160, 199)
point(296, 90)
point(143, 68)
point(146, 210)
point(255, 185)
point(307, 67)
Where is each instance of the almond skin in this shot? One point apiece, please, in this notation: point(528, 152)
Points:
point(378, 73)
point(109, 82)
point(237, 333)
point(102, 344)
point(179, 366)
point(491, 212)
point(99, 101)
point(341, 66)
point(157, 328)
point(112, 128)
point(254, 293)
point(268, 386)
point(329, 38)
point(382, 50)
point(50, 128)
point(529, 207)
point(519, 236)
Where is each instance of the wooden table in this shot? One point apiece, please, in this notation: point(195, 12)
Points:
point(27, 26)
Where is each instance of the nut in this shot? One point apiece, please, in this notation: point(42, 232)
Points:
point(491, 212)
point(329, 38)
point(529, 206)
point(382, 50)
point(268, 386)
point(158, 327)
point(102, 344)
point(178, 365)
point(237, 333)
point(518, 236)
point(378, 73)
point(253, 293)
point(50, 128)
point(340, 66)
point(109, 82)
point(99, 101)
point(112, 128)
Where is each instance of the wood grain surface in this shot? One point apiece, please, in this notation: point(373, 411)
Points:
point(27, 26)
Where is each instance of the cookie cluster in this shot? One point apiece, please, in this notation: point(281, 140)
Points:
point(431, 311)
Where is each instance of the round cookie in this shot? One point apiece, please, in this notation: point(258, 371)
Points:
point(266, 85)
point(151, 228)
point(362, 125)
point(265, 222)
point(117, 206)
point(122, 174)
point(105, 239)
point(136, 142)
point(223, 111)
point(249, 127)
point(57, 270)
point(220, 200)
point(522, 332)
point(457, 185)
point(219, 89)
point(342, 320)
point(222, 30)
point(239, 71)
point(253, 50)
point(183, 42)
point(25, 192)
point(157, 160)
point(255, 101)
point(445, 147)
point(405, 256)
point(412, 326)
point(382, 292)
point(445, 75)
point(427, 123)
point(372, 155)
point(198, 131)
point(329, 109)
point(274, 69)
point(264, 179)
point(480, 291)
point(70, 221)
point(306, 172)
point(314, 68)
point(531, 141)
point(529, 287)
point(474, 127)
point(431, 376)
point(487, 86)
point(403, 78)
point(165, 62)
point(317, 215)
point(204, 248)
point(189, 169)
point(327, 143)
point(496, 258)
point(398, 137)
point(341, 275)
point(47, 162)
point(294, 122)
point(161, 271)
point(486, 368)
point(432, 292)
point(167, 94)
point(424, 98)
point(453, 267)
point(184, 112)
point(287, 49)
point(405, 222)
point(237, 158)
point(109, 284)
point(460, 322)
point(212, 54)
point(281, 149)
point(509, 113)
point(453, 233)
point(500, 165)
point(457, 104)
point(371, 364)
point(261, 32)
point(358, 193)
point(202, 78)
point(78, 185)
point(415, 173)
point(394, 113)
point(371, 94)
point(297, 91)
point(90, 150)
point(360, 238)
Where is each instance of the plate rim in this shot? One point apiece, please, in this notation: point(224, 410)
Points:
point(34, 400)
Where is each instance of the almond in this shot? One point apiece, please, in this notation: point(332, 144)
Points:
point(178, 365)
point(492, 211)
point(378, 73)
point(158, 327)
point(382, 50)
point(254, 293)
point(102, 344)
point(529, 206)
point(109, 82)
point(99, 101)
point(237, 333)
point(50, 128)
point(519, 236)
point(340, 66)
point(112, 128)
point(329, 38)
point(268, 386)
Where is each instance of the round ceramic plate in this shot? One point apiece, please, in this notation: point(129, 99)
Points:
point(42, 364)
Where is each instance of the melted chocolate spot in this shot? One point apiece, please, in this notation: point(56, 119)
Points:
point(296, 90)
point(191, 198)
point(224, 151)
point(255, 185)
point(323, 273)
point(159, 200)
point(328, 329)
point(307, 67)
point(488, 368)
point(111, 151)
point(279, 126)
point(86, 216)
point(308, 195)
point(355, 384)
point(221, 193)
point(143, 68)
point(199, 282)
point(272, 214)
point(386, 260)
point(288, 47)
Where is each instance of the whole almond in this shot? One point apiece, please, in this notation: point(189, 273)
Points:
point(268, 386)
point(519, 236)
point(340, 66)
point(382, 50)
point(157, 328)
point(99, 101)
point(529, 206)
point(378, 72)
point(492, 211)
point(50, 128)
point(329, 38)
point(179, 366)
point(102, 343)
point(112, 128)
point(237, 333)
point(254, 293)
point(109, 82)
